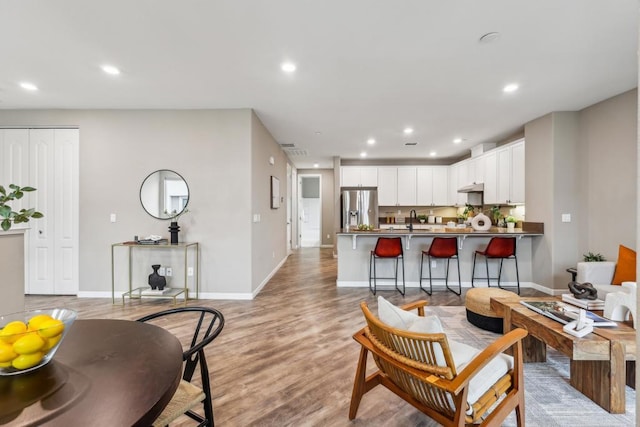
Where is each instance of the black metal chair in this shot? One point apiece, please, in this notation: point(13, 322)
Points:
point(386, 248)
point(207, 325)
point(443, 248)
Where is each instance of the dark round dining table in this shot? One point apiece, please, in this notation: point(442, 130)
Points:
point(105, 373)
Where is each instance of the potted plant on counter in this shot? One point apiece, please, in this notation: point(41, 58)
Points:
point(422, 218)
point(511, 222)
point(7, 214)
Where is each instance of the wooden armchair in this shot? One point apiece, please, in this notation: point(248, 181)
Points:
point(407, 365)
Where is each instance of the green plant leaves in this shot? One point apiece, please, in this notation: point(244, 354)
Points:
point(11, 217)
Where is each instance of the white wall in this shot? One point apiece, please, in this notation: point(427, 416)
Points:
point(211, 149)
point(583, 164)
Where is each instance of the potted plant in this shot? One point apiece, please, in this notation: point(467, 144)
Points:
point(591, 257)
point(496, 215)
point(511, 222)
point(422, 218)
point(7, 214)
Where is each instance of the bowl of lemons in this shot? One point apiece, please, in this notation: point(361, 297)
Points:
point(29, 339)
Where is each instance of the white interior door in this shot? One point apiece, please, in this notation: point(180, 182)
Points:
point(310, 209)
point(53, 240)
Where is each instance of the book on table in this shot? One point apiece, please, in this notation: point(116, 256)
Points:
point(587, 304)
point(565, 313)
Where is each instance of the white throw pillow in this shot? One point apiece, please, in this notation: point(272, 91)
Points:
point(394, 316)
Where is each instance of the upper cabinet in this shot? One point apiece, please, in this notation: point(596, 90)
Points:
point(359, 176)
point(397, 186)
point(432, 186)
point(507, 187)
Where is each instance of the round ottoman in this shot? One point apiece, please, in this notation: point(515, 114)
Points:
point(479, 311)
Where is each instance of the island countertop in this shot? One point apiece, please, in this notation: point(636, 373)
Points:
point(354, 248)
point(493, 231)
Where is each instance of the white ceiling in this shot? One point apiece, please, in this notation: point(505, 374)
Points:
point(366, 68)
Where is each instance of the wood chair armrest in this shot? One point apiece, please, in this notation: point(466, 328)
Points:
point(420, 304)
point(488, 354)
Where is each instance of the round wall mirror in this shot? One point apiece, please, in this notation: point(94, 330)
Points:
point(164, 194)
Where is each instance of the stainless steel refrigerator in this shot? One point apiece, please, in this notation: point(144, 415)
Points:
point(359, 206)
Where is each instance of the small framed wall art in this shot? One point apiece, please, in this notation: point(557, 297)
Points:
point(275, 193)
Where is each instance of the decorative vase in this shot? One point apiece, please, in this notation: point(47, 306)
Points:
point(511, 226)
point(173, 229)
point(156, 280)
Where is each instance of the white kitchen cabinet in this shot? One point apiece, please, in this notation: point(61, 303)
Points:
point(387, 186)
point(396, 186)
point(407, 186)
point(432, 186)
point(359, 176)
point(476, 170)
point(517, 173)
point(491, 178)
point(510, 174)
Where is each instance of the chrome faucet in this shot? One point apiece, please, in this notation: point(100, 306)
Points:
point(412, 215)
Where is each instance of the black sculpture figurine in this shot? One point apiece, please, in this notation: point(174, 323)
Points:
point(583, 290)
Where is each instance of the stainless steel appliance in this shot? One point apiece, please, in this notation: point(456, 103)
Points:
point(359, 206)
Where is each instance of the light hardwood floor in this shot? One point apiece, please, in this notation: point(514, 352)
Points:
point(287, 357)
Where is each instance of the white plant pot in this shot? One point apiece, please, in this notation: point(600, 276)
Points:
point(511, 226)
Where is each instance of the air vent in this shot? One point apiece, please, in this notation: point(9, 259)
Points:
point(410, 143)
point(296, 152)
point(291, 150)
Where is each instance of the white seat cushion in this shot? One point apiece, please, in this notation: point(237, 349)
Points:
point(462, 353)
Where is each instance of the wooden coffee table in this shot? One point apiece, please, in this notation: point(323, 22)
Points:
point(602, 362)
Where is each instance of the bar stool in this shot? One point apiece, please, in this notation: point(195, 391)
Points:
point(386, 248)
point(498, 248)
point(441, 247)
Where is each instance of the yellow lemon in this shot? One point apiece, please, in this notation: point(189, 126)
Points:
point(29, 343)
point(12, 330)
point(26, 361)
point(51, 328)
point(35, 322)
point(51, 342)
point(6, 353)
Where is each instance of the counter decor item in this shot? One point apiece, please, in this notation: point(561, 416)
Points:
point(8, 215)
point(156, 280)
point(511, 223)
point(29, 339)
point(174, 228)
point(481, 222)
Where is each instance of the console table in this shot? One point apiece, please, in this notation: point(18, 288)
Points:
point(141, 290)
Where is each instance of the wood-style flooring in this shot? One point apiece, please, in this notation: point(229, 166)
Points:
point(285, 358)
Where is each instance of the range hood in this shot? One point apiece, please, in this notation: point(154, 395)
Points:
point(472, 188)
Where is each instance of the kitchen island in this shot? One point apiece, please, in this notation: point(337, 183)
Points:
point(354, 248)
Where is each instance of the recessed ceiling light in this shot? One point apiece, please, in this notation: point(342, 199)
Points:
point(512, 87)
point(110, 69)
point(408, 131)
point(315, 165)
point(28, 86)
point(457, 140)
point(288, 67)
point(371, 141)
point(318, 133)
point(363, 154)
point(432, 154)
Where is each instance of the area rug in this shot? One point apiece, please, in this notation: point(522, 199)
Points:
point(549, 398)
